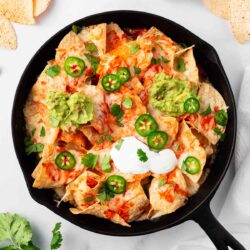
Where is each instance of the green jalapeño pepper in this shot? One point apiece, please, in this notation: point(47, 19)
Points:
point(65, 160)
point(192, 105)
point(111, 83)
point(145, 124)
point(221, 117)
point(74, 66)
point(116, 184)
point(157, 140)
point(191, 165)
point(123, 74)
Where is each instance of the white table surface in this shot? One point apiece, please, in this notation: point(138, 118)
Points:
point(14, 196)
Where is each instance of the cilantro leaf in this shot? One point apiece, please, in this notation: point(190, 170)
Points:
point(142, 155)
point(161, 183)
point(91, 47)
point(208, 111)
point(76, 28)
point(155, 61)
point(30, 147)
point(57, 239)
point(104, 194)
point(116, 110)
point(94, 61)
point(105, 165)
point(127, 103)
point(164, 59)
point(219, 133)
point(105, 137)
point(42, 131)
point(90, 160)
point(33, 132)
point(134, 49)
point(137, 70)
point(53, 71)
point(30, 246)
point(180, 66)
point(15, 229)
point(119, 144)
point(88, 199)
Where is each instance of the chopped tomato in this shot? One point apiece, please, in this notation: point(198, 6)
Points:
point(91, 182)
point(208, 122)
point(134, 33)
point(109, 214)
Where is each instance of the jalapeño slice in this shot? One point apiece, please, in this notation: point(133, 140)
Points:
point(65, 160)
point(145, 124)
point(116, 184)
point(191, 165)
point(123, 74)
point(192, 105)
point(74, 66)
point(221, 117)
point(111, 83)
point(157, 140)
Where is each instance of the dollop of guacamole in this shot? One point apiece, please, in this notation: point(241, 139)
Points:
point(69, 111)
point(169, 94)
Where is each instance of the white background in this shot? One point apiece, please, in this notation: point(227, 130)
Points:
point(14, 196)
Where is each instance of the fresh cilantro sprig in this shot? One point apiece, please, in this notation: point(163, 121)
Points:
point(104, 194)
point(105, 137)
point(57, 239)
point(17, 231)
point(105, 165)
point(208, 111)
point(31, 147)
point(90, 160)
point(116, 110)
point(142, 155)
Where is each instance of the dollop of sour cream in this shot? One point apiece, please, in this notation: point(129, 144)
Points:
point(126, 158)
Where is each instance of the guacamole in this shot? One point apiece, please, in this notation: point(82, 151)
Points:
point(69, 111)
point(169, 94)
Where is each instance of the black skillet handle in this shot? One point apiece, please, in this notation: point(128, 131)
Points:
point(221, 238)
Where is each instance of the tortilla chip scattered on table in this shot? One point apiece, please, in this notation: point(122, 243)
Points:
point(7, 34)
point(240, 19)
point(219, 8)
point(40, 6)
point(19, 11)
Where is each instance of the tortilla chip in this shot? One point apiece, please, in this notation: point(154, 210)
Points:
point(240, 19)
point(115, 36)
point(208, 96)
point(101, 211)
point(219, 7)
point(40, 6)
point(168, 197)
point(7, 34)
point(190, 147)
point(191, 72)
point(95, 34)
point(18, 11)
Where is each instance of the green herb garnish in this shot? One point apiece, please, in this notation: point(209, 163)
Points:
point(31, 147)
point(137, 70)
point(180, 66)
point(52, 71)
point(208, 111)
point(42, 131)
point(104, 194)
point(88, 199)
point(134, 49)
point(219, 133)
point(90, 160)
point(105, 137)
point(91, 47)
point(76, 28)
point(116, 110)
point(119, 144)
point(127, 103)
point(142, 155)
point(94, 61)
point(161, 183)
point(164, 59)
point(105, 165)
point(57, 239)
point(155, 61)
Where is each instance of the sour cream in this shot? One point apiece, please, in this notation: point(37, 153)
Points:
point(127, 160)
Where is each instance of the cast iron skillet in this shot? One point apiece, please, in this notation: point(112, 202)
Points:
point(197, 208)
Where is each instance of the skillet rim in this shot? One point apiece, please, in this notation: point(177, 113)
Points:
point(187, 215)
